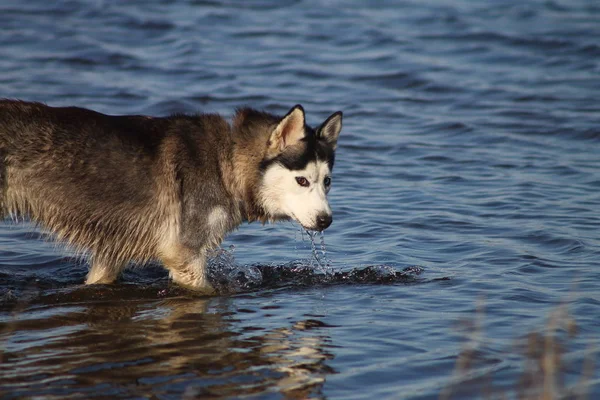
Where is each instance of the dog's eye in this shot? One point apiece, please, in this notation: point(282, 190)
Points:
point(327, 181)
point(302, 181)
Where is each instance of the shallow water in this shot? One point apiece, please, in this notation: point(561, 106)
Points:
point(467, 176)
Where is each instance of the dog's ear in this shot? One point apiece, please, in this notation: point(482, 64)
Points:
point(330, 129)
point(288, 132)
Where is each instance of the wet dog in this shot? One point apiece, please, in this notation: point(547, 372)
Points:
point(139, 188)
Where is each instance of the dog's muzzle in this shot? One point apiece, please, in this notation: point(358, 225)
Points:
point(323, 221)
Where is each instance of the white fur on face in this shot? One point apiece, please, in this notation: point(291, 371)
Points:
point(281, 195)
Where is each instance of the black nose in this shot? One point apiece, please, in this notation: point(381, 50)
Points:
point(323, 221)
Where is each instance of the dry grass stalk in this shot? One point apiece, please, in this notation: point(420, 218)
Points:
point(544, 367)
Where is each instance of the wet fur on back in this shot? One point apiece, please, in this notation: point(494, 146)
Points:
point(138, 188)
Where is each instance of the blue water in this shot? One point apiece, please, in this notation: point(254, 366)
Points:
point(467, 177)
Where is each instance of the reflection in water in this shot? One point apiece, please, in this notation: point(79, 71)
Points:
point(180, 346)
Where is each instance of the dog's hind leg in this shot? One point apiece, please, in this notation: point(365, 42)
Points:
point(188, 268)
point(104, 271)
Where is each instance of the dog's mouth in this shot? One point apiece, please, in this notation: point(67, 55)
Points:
point(308, 228)
point(314, 227)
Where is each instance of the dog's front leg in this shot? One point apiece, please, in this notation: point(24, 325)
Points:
point(193, 275)
point(103, 271)
point(188, 268)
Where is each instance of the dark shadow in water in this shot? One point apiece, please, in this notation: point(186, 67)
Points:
point(227, 278)
point(299, 274)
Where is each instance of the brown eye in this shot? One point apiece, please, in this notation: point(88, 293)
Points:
point(302, 181)
point(327, 181)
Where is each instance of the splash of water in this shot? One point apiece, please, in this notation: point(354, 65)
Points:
point(230, 277)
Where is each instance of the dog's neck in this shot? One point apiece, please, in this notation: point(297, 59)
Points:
point(240, 170)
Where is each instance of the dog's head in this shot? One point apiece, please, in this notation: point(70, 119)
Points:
point(296, 170)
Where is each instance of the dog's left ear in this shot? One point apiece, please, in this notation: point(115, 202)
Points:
point(330, 129)
point(289, 131)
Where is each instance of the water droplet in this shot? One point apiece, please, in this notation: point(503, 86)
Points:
point(319, 254)
point(244, 278)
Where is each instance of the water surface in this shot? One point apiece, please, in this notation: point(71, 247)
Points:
point(467, 176)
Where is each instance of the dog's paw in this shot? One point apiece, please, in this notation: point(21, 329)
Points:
point(199, 286)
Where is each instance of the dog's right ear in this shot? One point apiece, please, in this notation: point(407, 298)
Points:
point(288, 132)
point(330, 130)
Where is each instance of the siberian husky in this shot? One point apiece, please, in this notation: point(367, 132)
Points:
point(138, 188)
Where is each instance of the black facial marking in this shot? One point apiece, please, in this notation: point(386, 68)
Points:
point(309, 149)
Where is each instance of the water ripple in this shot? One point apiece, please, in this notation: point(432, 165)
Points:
point(469, 148)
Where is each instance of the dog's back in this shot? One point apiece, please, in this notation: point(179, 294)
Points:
point(89, 177)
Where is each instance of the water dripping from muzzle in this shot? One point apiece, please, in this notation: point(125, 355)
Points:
point(319, 253)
